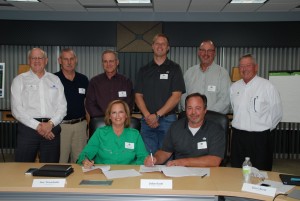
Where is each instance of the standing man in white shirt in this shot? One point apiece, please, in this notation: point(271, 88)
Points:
point(257, 110)
point(208, 78)
point(38, 103)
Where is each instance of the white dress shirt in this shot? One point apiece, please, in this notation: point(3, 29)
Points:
point(256, 105)
point(214, 83)
point(33, 97)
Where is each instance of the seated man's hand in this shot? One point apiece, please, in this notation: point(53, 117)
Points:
point(149, 162)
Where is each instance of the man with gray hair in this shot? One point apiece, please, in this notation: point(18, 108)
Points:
point(108, 86)
point(257, 110)
point(38, 103)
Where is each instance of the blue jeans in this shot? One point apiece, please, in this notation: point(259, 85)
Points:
point(153, 137)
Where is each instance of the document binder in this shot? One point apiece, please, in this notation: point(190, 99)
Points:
point(50, 170)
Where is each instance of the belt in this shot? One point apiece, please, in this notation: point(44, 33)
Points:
point(169, 113)
point(42, 119)
point(73, 121)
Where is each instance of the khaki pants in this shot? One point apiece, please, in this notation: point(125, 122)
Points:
point(73, 138)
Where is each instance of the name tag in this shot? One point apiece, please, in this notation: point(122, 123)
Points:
point(269, 191)
point(163, 76)
point(211, 88)
point(122, 94)
point(202, 145)
point(129, 145)
point(156, 184)
point(81, 90)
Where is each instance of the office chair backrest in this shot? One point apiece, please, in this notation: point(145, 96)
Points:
point(98, 122)
point(220, 119)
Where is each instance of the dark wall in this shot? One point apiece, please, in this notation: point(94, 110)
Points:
point(182, 34)
point(58, 33)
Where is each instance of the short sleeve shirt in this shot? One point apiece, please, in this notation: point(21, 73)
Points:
point(209, 140)
point(157, 83)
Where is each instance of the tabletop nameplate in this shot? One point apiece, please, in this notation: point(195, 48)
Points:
point(156, 184)
point(49, 183)
point(263, 190)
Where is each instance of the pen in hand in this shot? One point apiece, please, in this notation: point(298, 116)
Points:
point(92, 162)
point(152, 158)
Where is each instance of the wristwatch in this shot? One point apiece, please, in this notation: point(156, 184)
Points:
point(157, 116)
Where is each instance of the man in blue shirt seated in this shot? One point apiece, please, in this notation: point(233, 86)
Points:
point(194, 140)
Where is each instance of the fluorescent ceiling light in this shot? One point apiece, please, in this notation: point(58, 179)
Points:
point(134, 1)
point(23, 0)
point(248, 1)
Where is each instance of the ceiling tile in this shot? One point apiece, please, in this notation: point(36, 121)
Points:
point(278, 7)
point(32, 6)
point(171, 5)
point(239, 7)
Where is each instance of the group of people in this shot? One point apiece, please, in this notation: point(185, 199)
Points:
point(53, 110)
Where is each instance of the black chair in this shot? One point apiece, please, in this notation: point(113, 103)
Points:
point(220, 119)
point(98, 122)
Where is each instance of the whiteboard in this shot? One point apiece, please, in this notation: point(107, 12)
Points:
point(289, 89)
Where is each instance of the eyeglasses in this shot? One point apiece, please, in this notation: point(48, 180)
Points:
point(209, 51)
point(37, 58)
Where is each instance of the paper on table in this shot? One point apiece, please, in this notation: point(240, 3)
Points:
point(180, 171)
point(103, 168)
point(280, 187)
point(155, 168)
point(121, 173)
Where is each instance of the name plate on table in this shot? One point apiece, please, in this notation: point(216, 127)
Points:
point(263, 190)
point(156, 184)
point(49, 183)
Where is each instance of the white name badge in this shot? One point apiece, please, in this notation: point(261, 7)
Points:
point(129, 145)
point(49, 183)
point(211, 88)
point(262, 190)
point(163, 76)
point(122, 94)
point(81, 90)
point(156, 184)
point(202, 145)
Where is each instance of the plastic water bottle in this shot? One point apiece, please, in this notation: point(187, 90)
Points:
point(247, 170)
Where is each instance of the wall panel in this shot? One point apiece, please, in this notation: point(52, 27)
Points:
point(89, 60)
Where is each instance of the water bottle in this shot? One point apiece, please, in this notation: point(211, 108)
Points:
point(247, 170)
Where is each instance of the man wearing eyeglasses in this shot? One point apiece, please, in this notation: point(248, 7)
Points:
point(209, 79)
point(38, 103)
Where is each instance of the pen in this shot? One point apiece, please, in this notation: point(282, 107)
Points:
point(203, 176)
point(152, 158)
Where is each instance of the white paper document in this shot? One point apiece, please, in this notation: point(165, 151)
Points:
point(103, 168)
point(49, 183)
point(113, 174)
point(180, 171)
point(155, 168)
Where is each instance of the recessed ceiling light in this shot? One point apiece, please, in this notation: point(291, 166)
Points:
point(248, 1)
point(134, 1)
point(23, 0)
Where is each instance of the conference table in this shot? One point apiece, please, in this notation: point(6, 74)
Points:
point(223, 181)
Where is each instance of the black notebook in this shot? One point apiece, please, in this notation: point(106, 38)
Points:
point(288, 179)
point(50, 170)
